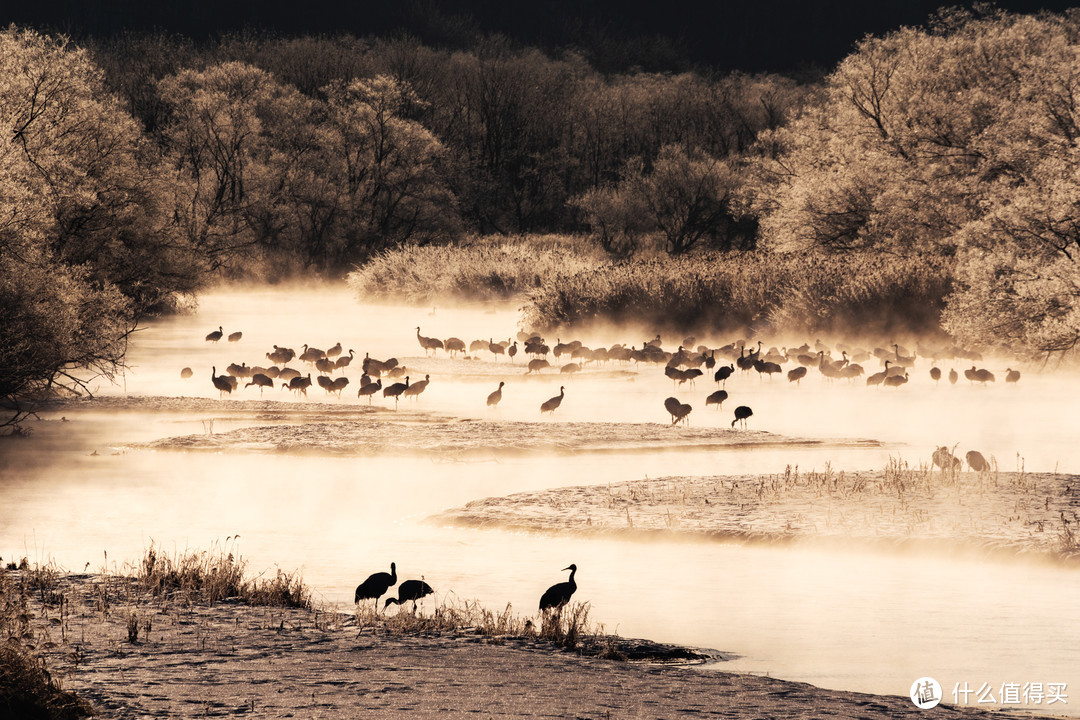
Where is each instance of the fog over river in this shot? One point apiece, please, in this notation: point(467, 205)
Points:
point(339, 488)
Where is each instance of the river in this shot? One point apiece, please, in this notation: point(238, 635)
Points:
point(84, 492)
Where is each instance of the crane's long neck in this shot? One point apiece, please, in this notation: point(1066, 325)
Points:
point(393, 573)
point(571, 580)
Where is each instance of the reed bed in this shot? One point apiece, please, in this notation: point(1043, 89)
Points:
point(481, 269)
point(569, 628)
point(210, 576)
point(36, 614)
point(566, 282)
point(757, 292)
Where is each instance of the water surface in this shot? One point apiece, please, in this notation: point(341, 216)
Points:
point(97, 487)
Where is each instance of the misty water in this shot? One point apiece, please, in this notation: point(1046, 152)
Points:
point(86, 491)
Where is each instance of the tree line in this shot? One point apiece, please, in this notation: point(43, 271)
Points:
point(134, 168)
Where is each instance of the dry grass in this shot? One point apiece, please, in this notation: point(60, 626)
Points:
point(481, 269)
point(214, 575)
point(571, 283)
point(752, 291)
point(27, 689)
point(569, 628)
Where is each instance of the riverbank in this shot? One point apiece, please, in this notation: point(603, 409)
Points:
point(229, 659)
point(1010, 513)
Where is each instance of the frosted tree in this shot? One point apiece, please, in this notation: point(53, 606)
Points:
point(958, 139)
point(76, 220)
point(391, 169)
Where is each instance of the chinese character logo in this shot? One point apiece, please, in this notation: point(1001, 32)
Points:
point(925, 693)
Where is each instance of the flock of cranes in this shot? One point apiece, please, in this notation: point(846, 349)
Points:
point(326, 362)
point(682, 367)
point(377, 584)
point(945, 459)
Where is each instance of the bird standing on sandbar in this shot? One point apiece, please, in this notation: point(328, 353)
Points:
point(558, 595)
point(409, 590)
point(376, 585)
point(741, 413)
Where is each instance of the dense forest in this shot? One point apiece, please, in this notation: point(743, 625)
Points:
point(139, 167)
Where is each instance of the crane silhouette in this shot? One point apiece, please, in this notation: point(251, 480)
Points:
point(717, 398)
point(376, 585)
point(216, 335)
point(221, 382)
point(553, 404)
point(976, 461)
point(427, 343)
point(559, 594)
point(943, 457)
point(454, 345)
point(677, 409)
point(741, 413)
point(496, 397)
point(417, 387)
point(368, 388)
point(896, 380)
point(263, 381)
point(723, 373)
point(536, 365)
point(345, 360)
point(395, 390)
point(299, 384)
point(409, 590)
